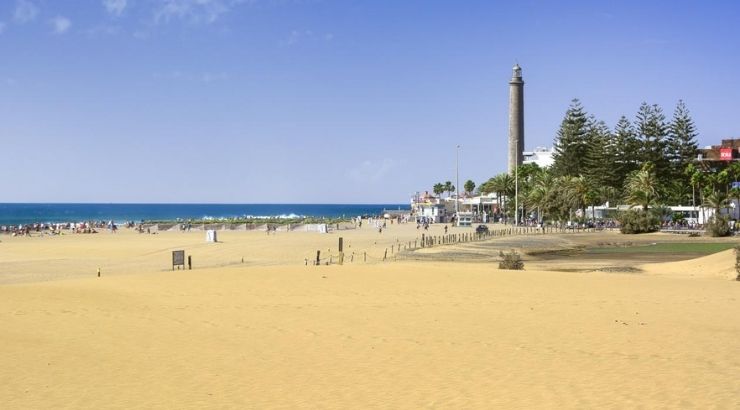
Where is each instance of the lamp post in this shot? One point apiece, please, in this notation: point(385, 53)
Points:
point(516, 188)
point(457, 185)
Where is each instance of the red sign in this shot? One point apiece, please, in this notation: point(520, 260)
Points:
point(725, 154)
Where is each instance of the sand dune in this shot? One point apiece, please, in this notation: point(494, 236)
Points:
point(718, 265)
point(378, 335)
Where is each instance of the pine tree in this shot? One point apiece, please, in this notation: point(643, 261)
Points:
point(653, 130)
point(682, 145)
point(598, 161)
point(626, 148)
point(571, 142)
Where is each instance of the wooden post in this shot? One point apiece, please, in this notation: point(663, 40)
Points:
point(341, 258)
point(98, 271)
point(423, 241)
point(190, 262)
point(365, 257)
point(385, 255)
point(318, 257)
point(341, 244)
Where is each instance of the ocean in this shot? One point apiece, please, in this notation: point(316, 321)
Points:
point(17, 213)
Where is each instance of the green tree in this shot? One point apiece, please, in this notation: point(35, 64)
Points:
point(527, 174)
point(503, 186)
point(682, 146)
point(717, 200)
point(735, 194)
point(438, 188)
point(571, 142)
point(626, 149)
point(599, 165)
point(652, 132)
point(469, 186)
point(678, 192)
point(449, 188)
point(724, 178)
point(642, 187)
point(579, 192)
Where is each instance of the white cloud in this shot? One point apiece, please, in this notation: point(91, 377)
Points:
point(115, 7)
point(60, 24)
point(25, 11)
point(192, 11)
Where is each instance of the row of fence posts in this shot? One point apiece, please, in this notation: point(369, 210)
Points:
point(428, 241)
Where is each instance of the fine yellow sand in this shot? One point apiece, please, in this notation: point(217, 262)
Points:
point(273, 333)
point(718, 265)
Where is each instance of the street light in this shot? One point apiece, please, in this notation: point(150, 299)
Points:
point(457, 185)
point(516, 186)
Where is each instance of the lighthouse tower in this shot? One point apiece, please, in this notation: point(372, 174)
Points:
point(516, 119)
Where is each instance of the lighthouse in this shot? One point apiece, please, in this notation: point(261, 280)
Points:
point(516, 119)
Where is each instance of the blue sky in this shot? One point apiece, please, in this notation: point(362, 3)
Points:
point(268, 101)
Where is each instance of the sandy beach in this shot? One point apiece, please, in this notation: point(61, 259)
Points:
point(414, 331)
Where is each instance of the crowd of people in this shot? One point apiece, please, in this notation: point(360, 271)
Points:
point(88, 227)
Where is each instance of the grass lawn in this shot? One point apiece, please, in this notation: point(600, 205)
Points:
point(671, 247)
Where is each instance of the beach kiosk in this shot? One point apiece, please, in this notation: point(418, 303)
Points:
point(464, 218)
point(211, 235)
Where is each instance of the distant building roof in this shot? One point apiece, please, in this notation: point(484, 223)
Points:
point(541, 156)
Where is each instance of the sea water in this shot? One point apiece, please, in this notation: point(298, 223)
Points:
point(18, 213)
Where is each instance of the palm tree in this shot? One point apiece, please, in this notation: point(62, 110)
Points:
point(542, 193)
point(678, 192)
point(642, 187)
point(449, 188)
point(505, 186)
point(438, 188)
point(579, 192)
point(608, 194)
point(690, 171)
point(469, 186)
point(735, 194)
point(723, 179)
point(716, 200)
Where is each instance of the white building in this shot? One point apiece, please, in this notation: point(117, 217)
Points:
point(541, 156)
point(429, 208)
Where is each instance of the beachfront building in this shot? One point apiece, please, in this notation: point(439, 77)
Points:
point(693, 215)
point(480, 208)
point(541, 156)
point(426, 207)
point(727, 150)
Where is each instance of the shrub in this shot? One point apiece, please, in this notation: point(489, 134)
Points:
point(637, 221)
point(510, 260)
point(718, 225)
